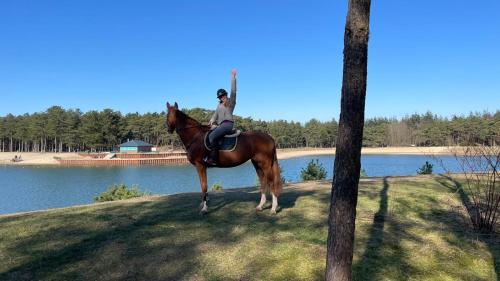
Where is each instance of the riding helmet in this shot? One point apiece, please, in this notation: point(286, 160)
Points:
point(221, 92)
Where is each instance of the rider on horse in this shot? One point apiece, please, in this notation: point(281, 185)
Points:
point(258, 147)
point(223, 117)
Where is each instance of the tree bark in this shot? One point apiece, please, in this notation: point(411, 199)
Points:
point(347, 164)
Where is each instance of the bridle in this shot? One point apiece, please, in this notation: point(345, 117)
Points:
point(178, 130)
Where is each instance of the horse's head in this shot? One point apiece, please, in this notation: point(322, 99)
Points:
point(172, 116)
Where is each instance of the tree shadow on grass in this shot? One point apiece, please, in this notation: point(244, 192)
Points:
point(160, 239)
point(457, 227)
point(75, 261)
point(383, 249)
point(287, 200)
point(392, 237)
point(366, 265)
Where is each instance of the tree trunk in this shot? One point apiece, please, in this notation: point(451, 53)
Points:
point(349, 140)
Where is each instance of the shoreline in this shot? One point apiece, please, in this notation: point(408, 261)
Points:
point(34, 158)
point(47, 158)
point(287, 153)
point(155, 197)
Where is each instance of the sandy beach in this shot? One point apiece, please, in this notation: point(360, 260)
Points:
point(34, 158)
point(438, 150)
point(47, 158)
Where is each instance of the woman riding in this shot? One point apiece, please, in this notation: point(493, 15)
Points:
point(223, 117)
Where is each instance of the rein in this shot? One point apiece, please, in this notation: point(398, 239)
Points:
point(177, 130)
point(188, 127)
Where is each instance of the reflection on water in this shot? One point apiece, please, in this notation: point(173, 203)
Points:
point(35, 188)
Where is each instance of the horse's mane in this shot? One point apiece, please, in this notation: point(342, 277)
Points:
point(191, 121)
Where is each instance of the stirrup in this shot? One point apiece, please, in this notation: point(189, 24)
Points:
point(208, 160)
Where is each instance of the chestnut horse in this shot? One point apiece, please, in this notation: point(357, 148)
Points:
point(255, 146)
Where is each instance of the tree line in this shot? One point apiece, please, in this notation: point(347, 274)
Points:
point(68, 130)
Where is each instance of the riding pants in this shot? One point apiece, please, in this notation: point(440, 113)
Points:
point(223, 129)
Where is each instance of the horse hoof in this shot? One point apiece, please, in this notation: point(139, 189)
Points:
point(258, 208)
point(273, 212)
point(203, 212)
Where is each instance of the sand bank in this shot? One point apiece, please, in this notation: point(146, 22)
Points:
point(441, 150)
point(33, 158)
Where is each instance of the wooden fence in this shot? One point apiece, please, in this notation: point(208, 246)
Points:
point(123, 162)
point(148, 155)
point(133, 155)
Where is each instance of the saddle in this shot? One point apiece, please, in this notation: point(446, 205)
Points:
point(226, 143)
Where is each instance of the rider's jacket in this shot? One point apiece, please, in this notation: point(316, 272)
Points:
point(223, 113)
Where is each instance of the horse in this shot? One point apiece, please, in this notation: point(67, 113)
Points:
point(257, 147)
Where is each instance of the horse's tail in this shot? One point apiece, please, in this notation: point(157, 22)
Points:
point(277, 184)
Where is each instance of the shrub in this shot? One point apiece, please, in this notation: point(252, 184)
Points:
point(481, 196)
point(313, 171)
point(120, 192)
point(426, 169)
point(363, 173)
point(283, 180)
point(216, 187)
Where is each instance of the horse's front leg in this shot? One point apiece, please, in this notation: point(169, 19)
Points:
point(202, 173)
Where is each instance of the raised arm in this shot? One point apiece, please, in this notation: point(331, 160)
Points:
point(232, 98)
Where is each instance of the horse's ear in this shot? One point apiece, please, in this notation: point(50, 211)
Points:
point(168, 104)
point(176, 106)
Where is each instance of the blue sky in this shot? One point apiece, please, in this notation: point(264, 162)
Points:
point(441, 56)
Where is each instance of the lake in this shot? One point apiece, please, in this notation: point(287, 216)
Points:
point(34, 188)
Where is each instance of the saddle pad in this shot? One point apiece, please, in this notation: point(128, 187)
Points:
point(225, 144)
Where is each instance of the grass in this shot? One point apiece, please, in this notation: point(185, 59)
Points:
point(406, 229)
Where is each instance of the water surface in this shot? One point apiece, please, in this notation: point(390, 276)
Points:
point(34, 188)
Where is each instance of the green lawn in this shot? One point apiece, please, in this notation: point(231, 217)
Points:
point(406, 229)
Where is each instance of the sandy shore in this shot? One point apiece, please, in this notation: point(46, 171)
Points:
point(34, 158)
point(291, 153)
point(31, 158)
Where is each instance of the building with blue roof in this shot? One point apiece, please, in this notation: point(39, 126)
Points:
point(135, 146)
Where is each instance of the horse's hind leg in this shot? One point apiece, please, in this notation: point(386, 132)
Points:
point(271, 174)
point(262, 202)
point(272, 187)
point(263, 184)
point(275, 203)
point(266, 168)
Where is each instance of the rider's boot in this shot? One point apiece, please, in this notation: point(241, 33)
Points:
point(212, 157)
